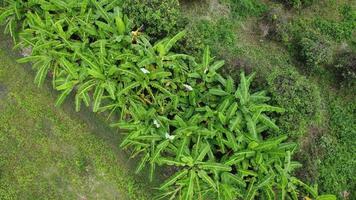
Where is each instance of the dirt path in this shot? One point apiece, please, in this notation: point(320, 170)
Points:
point(56, 153)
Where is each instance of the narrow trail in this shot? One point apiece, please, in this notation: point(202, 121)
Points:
point(57, 153)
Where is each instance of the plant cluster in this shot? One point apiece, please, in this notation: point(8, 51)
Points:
point(177, 110)
point(312, 40)
point(307, 43)
point(340, 30)
point(298, 96)
point(314, 51)
point(245, 8)
point(218, 34)
point(297, 3)
point(345, 66)
point(276, 21)
point(339, 146)
point(158, 18)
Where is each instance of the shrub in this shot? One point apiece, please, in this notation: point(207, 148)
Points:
point(276, 21)
point(159, 18)
point(297, 3)
point(177, 111)
point(298, 96)
point(244, 8)
point(337, 31)
point(218, 34)
point(348, 13)
point(311, 39)
point(314, 52)
point(345, 66)
point(306, 43)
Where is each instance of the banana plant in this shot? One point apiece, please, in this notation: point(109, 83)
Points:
point(11, 14)
point(173, 110)
point(242, 111)
point(161, 56)
point(207, 69)
point(197, 177)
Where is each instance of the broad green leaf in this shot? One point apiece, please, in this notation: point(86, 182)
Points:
point(203, 152)
point(217, 92)
point(214, 166)
point(217, 65)
point(171, 181)
point(267, 108)
point(98, 94)
point(268, 122)
point(206, 178)
point(251, 126)
point(265, 181)
point(173, 40)
point(160, 148)
point(42, 73)
point(142, 163)
point(326, 197)
point(206, 57)
point(247, 172)
point(190, 190)
point(62, 96)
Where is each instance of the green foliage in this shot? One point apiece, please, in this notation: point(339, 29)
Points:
point(176, 110)
point(245, 8)
point(314, 51)
point(337, 31)
point(298, 96)
point(276, 20)
point(312, 40)
point(159, 18)
point(218, 34)
point(6, 192)
point(297, 3)
point(309, 46)
point(340, 30)
point(330, 150)
point(345, 66)
point(339, 146)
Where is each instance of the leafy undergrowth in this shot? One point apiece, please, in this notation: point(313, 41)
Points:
point(328, 150)
point(180, 111)
point(52, 153)
point(320, 102)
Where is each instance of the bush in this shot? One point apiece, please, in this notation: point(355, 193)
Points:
point(244, 8)
point(277, 22)
point(159, 18)
point(337, 31)
point(217, 34)
point(340, 30)
point(311, 40)
point(307, 44)
point(297, 3)
point(345, 66)
point(298, 96)
point(314, 52)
